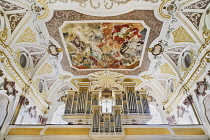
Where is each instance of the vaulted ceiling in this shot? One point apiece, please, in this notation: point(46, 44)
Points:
point(54, 44)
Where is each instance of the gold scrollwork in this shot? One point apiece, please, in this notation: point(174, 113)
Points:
point(181, 35)
point(27, 36)
point(3, 36)
point(206, 34)
point(46, 11)
point(161, 9)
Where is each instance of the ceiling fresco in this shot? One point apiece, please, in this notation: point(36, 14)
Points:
point(142, 16)
point(105, 45)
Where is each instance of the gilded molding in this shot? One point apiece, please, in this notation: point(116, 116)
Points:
point(3, 36)
point(188, 131)
point(20, 29)
point(46, 69)
point(14, 74)
point(187, 25)
point(25, 131)
point(67, 131)
point(46, 11)
point(27, 36)
point(9, 67)
point(206, 34)
point(166, 69)
point(147, 131)
point(185, 2)
point(181, 35)
point(161, 8)
point(191, 80)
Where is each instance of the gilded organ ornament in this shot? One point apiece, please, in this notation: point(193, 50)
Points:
point(106, 80)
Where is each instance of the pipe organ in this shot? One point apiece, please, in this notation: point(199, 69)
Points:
point(132, 102)
point(85, 107)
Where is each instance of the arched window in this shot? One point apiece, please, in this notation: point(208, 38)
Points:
point(106, 105)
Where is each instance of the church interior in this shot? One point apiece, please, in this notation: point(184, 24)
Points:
point(104, 69)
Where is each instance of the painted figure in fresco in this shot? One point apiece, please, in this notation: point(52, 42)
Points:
point(139, 48)
point(93, 36)
point(86, 62)
point(124, 33)
point(78, 44)
point(105, 45)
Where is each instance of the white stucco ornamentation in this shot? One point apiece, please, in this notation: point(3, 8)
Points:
point(3, 107)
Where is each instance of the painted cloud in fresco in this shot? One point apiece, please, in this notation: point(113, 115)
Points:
point(104, 45)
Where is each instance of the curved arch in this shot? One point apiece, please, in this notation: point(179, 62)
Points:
point(172, 65)
point(159, 95)
point(58, 87)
